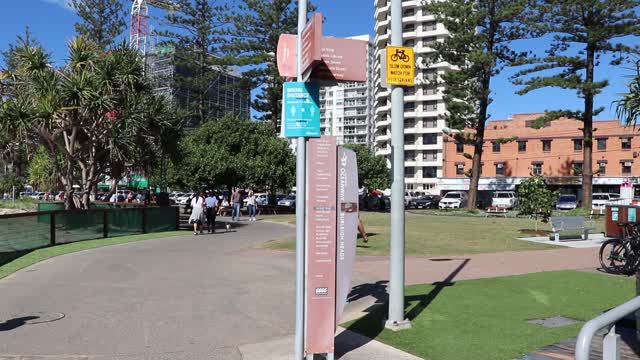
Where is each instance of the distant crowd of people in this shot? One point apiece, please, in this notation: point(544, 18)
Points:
point(205, 206)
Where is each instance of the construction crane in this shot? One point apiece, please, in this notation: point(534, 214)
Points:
point(140, 21)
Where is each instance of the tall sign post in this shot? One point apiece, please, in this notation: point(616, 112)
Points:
point(396, 56)
point(325, 246)
point(301, 156)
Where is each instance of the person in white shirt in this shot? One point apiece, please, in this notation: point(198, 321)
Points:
point(211, 204)
point(197, 213)
point(251, 205)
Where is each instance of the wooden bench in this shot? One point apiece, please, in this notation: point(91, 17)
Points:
point(570, 223)
point(496, 211)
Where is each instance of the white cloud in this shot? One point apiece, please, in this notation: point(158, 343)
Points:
point(62, 3)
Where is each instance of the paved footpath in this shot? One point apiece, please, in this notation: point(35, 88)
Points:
point(205, 297)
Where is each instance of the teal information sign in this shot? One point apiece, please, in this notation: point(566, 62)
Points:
point(301, 109)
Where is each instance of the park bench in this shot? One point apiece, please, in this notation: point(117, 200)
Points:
point(570, 223)
point(496, 211)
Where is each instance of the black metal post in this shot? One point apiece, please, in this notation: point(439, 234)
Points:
point(52, 228)
point(177, 217)
point(145, 220)
point(105, 223)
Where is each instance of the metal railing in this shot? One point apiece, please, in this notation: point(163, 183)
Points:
point(33, 230)
point(611, 343)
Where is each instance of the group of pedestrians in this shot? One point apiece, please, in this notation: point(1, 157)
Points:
point(205, 207)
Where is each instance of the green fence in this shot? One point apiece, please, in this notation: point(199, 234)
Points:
point(19, 232)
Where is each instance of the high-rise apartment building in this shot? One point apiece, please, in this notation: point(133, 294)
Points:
point(346, 109)
point(423, 104)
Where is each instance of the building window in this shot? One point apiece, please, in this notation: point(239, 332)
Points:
point(429, 26)
point(536, 168)
point(430, 123)
point(602, 144)
point(431, 155)
point(410, 139)
point(602, 168)
point(409, 155)
point(409, 172)
point(409, 27)
point(430, 139)
point(626, 166)
point(429, 172)
point(409, 12)
point(546, 145)
point(625, 143)
point(429, 75)
point(496, 147)
point(459, 148)
point(410, 43)
point(410, 106)
point(577, 168)
point(577, 144)
point(431, 106)
point(522, 146)
point(459, 168)
point(500, 168)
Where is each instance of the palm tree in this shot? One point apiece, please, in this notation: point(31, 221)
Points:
point(628, 108)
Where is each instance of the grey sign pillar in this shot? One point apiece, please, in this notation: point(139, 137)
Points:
point(301, 157)
point(396, 320)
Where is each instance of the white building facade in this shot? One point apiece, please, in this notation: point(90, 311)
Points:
point(346, 109)
point(423, 104)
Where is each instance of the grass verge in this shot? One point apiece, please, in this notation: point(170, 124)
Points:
point(12, 262)
point(441, 235)
point(486, 319)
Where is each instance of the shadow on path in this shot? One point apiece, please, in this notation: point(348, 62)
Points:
point(372, 324)
point(16, 323)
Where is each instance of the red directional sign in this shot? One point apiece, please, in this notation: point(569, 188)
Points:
point(342, 59)
point(311, 39)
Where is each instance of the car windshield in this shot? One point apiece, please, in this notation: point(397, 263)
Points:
point(567, 198)
point(502, 195)
point(426, 197)
point(453, 196)
point(600, 197)
point(290, 197)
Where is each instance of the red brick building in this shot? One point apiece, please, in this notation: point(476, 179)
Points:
point(554, 151)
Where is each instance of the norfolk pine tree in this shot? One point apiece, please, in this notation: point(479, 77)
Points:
point(198, 36)
point(583, 31)
point(101, 21)
point(479, 48)
point(256, 28)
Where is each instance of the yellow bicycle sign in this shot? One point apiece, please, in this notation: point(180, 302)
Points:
point(400, 66)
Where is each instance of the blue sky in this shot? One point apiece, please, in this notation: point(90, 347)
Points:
point(52, 23)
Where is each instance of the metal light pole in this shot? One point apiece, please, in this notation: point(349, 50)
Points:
point(301, 154)
point(396, 320)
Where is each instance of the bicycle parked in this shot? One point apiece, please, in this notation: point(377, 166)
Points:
point(622, 255)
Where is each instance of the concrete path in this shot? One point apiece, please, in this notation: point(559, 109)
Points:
point(206, 297)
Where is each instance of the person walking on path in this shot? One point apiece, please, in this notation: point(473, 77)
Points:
point(251, 205)
point(235, 200)
point(197, 213)
point(211, 203)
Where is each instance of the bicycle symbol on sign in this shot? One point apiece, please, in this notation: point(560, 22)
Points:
point(400, 55)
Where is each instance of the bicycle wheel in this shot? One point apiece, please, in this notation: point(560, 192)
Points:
point(405, 58)
point(613, 257)
point(394, 57)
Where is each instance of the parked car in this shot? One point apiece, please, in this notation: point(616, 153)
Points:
point(184, 199)
point(504, 199)
point(600, 200)
point(567, 202)
point(37, 195)
point(289, 201)
point(425, 202)
point(453, 200)
point(261, 199)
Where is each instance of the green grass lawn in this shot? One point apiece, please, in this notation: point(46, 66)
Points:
point(439, 235)
point(486, 319)
point(12, 262)
point(20, 204)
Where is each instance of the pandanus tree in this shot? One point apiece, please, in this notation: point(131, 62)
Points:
point(92, 115)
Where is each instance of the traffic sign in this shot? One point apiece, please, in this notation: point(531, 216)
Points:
point(400, 66)
point(301, 109)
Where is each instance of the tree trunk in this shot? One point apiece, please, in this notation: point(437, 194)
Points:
point(587, 158)
point(476, 166)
